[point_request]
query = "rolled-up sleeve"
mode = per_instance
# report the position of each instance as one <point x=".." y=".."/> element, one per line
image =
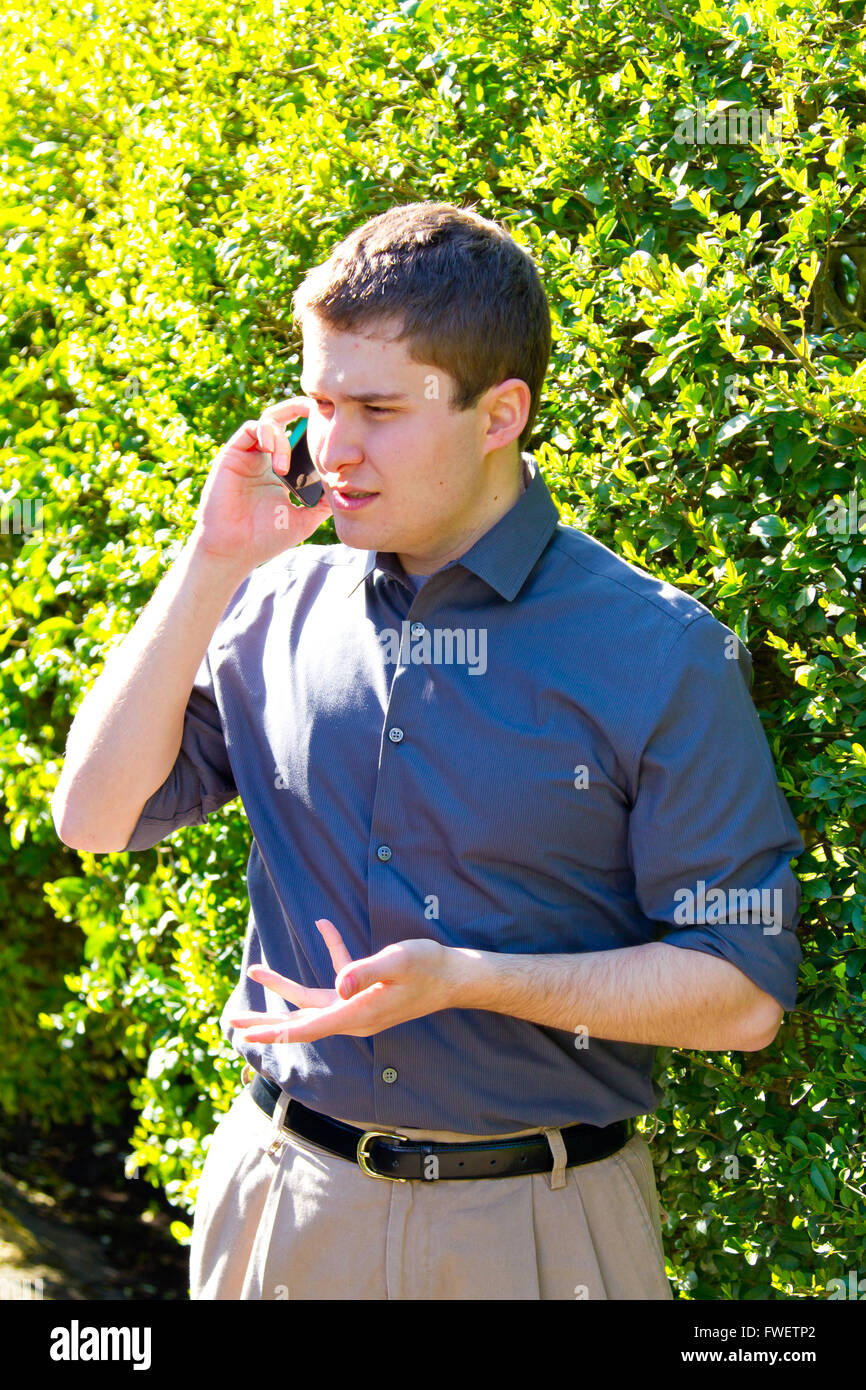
<point x="201" y="780"/>
<point x="710" y="832"/>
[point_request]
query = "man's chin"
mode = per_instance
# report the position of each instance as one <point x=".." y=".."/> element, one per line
<point x="359" y="533"/>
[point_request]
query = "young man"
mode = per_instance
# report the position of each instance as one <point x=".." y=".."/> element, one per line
<point x="515" y="821"/>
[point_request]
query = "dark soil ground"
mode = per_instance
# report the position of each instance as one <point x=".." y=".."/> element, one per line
<point x="72" y="1227"/>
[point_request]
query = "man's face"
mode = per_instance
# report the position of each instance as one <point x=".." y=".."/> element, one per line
<point x="379" y="423"/>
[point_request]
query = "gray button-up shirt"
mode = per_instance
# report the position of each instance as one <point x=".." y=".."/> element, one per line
<point x="543" y="750"/>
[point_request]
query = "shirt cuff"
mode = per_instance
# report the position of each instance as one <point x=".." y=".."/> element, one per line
<point x="768" y="957"/>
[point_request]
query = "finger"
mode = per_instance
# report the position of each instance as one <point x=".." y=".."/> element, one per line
<point x="291" y="409"/>
<point x="282" y="452"/>
<point x="246" y="438"/>
<point x="361" y="1013"/>
<point x="263" y="1028"/>
<point x="361" y="974"/>
<point x="346" y="983"/>
<point x="265" y="436"/>
<point x="258" y="1021"/>
<point x="279" y="984"/>
<point x="305" y="998"/>
<point x="271" y="1033"/>
<point x="262" y="1035"/>
<point x="314" y="516"/>
<point x="336" y="946"/>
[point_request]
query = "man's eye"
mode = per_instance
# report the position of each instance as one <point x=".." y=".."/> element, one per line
<point x="380" y="409"/>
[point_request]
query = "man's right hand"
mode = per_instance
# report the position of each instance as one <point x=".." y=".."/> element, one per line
<point x="246" y="516"/>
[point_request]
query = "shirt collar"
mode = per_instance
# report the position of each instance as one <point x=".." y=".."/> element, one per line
<point x="505" y="554"/>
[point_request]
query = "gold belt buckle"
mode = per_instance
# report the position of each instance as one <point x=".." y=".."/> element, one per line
<point x="363" y="1155"/>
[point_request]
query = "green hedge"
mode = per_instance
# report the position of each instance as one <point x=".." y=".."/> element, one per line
<point x="168" y="174"/>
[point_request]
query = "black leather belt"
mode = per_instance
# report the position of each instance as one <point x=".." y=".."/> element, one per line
<point x="382" y="1155"/>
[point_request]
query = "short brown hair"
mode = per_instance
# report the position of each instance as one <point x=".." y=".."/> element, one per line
<point x="469" y="298"/>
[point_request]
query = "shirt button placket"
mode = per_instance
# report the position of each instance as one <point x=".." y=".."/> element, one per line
<point x="384" y="855"/>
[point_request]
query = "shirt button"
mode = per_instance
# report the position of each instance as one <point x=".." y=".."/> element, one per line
<point x="416" y="630"/>
<point x="383" y="853"/>
<point x="395" y="735"/>
<point x="389" y="1075"/>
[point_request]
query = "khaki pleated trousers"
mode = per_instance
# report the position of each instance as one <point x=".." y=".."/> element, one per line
<point x="279" y="1218"/>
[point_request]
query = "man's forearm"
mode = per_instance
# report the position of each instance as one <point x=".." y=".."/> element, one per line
<point x="657" y="994"/>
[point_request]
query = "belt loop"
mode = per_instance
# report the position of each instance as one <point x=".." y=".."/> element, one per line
<point x="278" y="1134"/>
<point x="557" y="1177"/>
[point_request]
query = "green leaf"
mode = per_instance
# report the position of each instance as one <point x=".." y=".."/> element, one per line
<point x="823" y="1180"/>
<point x="732" y="427"/>
<point x="768" y="526"/>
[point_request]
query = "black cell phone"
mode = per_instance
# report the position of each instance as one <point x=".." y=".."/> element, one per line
<point x="302" y="480"/>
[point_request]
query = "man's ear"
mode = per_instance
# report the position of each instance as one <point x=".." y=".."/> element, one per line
<point x="507" y="410"/>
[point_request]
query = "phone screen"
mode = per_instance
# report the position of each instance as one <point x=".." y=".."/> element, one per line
<point x="302" y="480"/>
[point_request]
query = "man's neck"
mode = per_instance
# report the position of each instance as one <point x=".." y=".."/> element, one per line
<point x="469" y="541"/>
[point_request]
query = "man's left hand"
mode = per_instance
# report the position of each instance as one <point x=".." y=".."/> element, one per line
<point x="407" y="980"/>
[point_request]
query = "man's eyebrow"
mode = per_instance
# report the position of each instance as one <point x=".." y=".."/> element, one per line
<point x="365" y="396"/>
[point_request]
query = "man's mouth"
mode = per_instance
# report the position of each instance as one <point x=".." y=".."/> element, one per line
<point x="351" y="498"/>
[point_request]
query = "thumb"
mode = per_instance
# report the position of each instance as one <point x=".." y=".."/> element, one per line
<point x="314" y="516"/>
<point x="355" y="977"/>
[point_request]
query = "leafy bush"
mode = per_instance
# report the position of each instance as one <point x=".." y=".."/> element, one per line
<point x="168" y="175"/>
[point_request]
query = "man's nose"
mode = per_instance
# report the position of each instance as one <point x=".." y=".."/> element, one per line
<point x="336" y="445"/>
